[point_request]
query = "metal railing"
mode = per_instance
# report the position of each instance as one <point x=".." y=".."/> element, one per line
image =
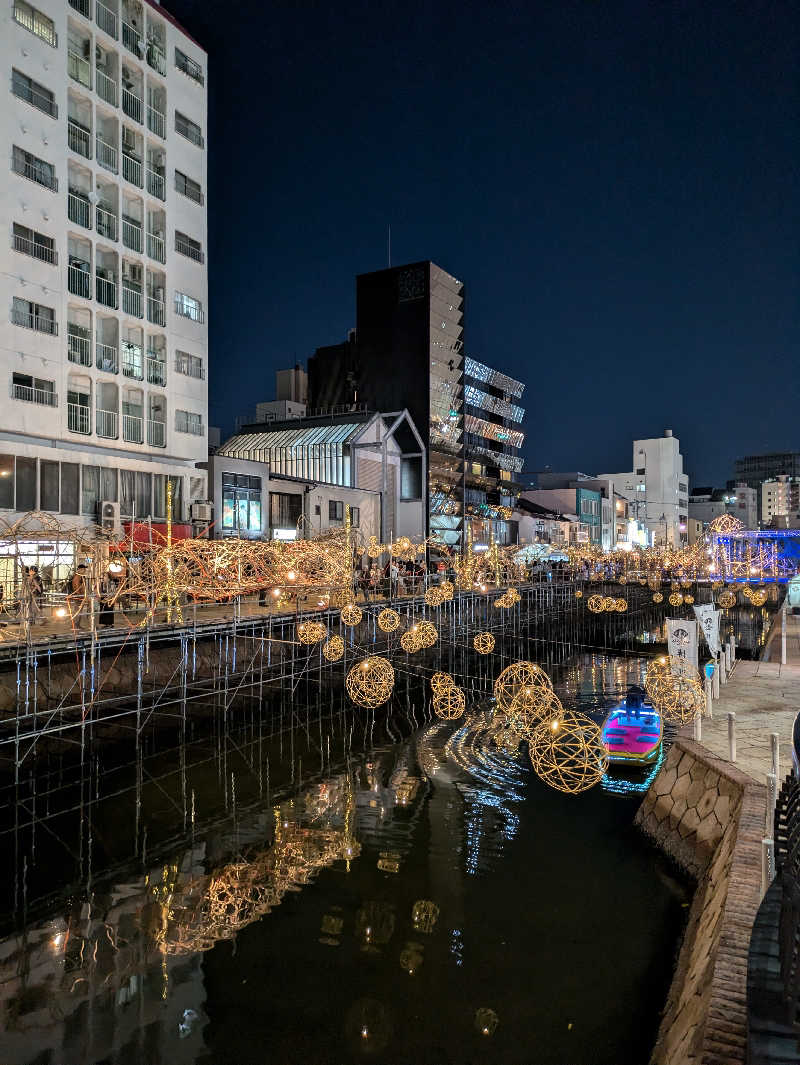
<point x="156" y="311"/>
<point x="156" y="434"/>
<point x="189" y="67"/>
<point x="188" y="130"/>
<point x="38" y="171"/>
<point x="106" y="19"/>
<point x="187" y="249"/>
<point x="107" y="155"/>
<point x="132" y="169"/>
<point x="156" y="248"/>
<point x="79" y="281"/>
<point x="83" y="7"/>
<point x="106" y="424"/>
<point x="29" y="394"/>
<point x="156" y="121"/>
<point x="156" y="57"/>
<point x="190" y="367"/>
<point x="30" y="247"/>
<point x="79" y="139"/>
<point x="40" y="100"/>
<point x="190" y="189"/>
<point x="106" y="291"/>
<point x="106" y="357"/>
<point x="194" y="313"/>
<point x="79" y="69"/>
<point x="132" y="365"/>
<point x="78" y="419"/>
<point x="38" y="322"/>
<point x="79" y="210"/>
<point x="106" y="224"/>
<point x="156" y="184"/>
<point x="38" y="24"/>
<point x="185" y="425"/>
<point x="106" y="87"/>
<point x="131" y="39"/>
<point x="132" y="105"/>
<point x="79" y="347"/>
<point x="132" y="302"/>
<point x="156" y="371"/>
<point x="132" y="234"/>
<point x="132" y="429"/>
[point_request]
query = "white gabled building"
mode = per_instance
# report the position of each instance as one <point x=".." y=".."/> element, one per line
<point x="104" y="283"/>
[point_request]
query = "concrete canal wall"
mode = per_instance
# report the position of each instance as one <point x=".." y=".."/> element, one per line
<point x="709" y="818"/>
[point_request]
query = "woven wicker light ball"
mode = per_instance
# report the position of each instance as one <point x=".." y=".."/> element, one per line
<point x="309" y="632"/>
<point x="517" y="676"/>
<point x="530" y="707"/>
<point x="483" y="643"/>
<point x="370" y="683"/>
<point x="449" y="703"/>
<point x="513" y="596"/>
<point x="658" y="597"/>
<point x="351" y="614"/>
<point x="333" y="648"/>
<point x="503" y="601"/>
<point x="595" y="604"/>
<point x="486" y="1021"/>
<point x="410" y="641"/>
<point x="620" y="605"/>
<point x="688" y="599"/>
<point x="440" y="681"/>
<point x="657" y="678"/>
<point x="726" y="599"/>
<point x="434" y="597"/>
<point x="567" y="753"/>
<point x="388" y="620"/>
<point x="424" y="914"/>
<point x="675" y="599"/>
<point x="578" y="593"/>
<point x="623" y="579"/>
<point x="758" y="596"/>
<point x="680" y="698"/>
<point x="446" y="588"/>
<point x="428" y="633"/>
<point x="609" y="602"/>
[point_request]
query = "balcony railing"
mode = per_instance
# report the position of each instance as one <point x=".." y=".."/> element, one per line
<point x="156" y="57"/>
<point x="107" y="357"/>
<point x="38" y="171"/>
<point x="156" y="248"/>
<point x="132" y="234"/>
<point x="37" y="23"/>
<point x="107" y="291"/>
<point x="188" y="130"/>
<point x="78" y="419"/>
<point x="156" y="121"/>
<point x="106" y="19"/>
<point x="38" y="322"/>
<point x="132" y="364"/>
<point x="132" y="169"/>
<point x="156" y="185"/>
<point x="132" y="105"/>
<point x="79" y="69"/>
<point x="106" y="224"/>
<point x="79" y="282"/>
<point x="189" y="67"/>
<point x="84" y="7"/>
<point x="156" y="434"/>
<point x="79" y="139"/>
<point x="107" y="155"/>
<point x="132" y="427"/>
<point x="182" y="246"/>
<point x="30" y="247"/>
<point x="40" y="100"/>
<point x="156" y="371"/>
<point x="156" y="311"/>
<point x="189" y="367"/>
<point x="79" y="210"/>
<point x="131" y="39"/>
<point x="79" y="347"/>
<point x="188" y="310"/>
<point x="106" y="424"/>
<point x="106" y="87"/>
<point x="34" y="395"/>
<point x="185" y="425"/>
<point x="132" y="302"/>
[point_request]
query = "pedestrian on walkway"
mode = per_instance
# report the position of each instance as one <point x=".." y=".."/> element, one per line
<point x="77" y="599"/>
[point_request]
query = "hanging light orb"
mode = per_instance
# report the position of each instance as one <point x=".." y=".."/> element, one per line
<point x="567" y="753"/>
<point x="483" y="643"/>
<point x="449" y="703"/>
<point x="310" y="632"/>
<point x="620" y="605"/>
<point x="517" y="676"/>
<point x="513" y="596"/>
<point x="609" y="603"/>
<point x="388" y="620"/>
<point x="726" y="599"/>
<point x="623" y="579"/>
<point x="434" y="597"/>
<point x="333" y="648"/>
<point x="446" y="588"/>
<point x="424" y="915"/>
<point x="595" y="604"/>
<point x="370" y="683"/>
<point x="532" y="706"/>
<point x="410" y="641"/>
<point x="658" y="597"/>
<point x="758" y="597"/>
<point x="675" y="599"/>
<point x="680" y="698"/>
<point x="351" y="614"/>
<point x="440" y="681"/>
<point x="578" y="593"/>
<point x="428" y="633"/>
<point x="688" y="599"/>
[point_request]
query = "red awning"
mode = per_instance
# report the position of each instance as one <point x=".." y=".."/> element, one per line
<point x="145" y="534"/>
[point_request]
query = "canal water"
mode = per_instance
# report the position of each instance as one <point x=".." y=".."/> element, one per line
<point x="411" y="892"/>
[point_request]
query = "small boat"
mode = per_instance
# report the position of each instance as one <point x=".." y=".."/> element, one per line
<point x="632" y="733"/>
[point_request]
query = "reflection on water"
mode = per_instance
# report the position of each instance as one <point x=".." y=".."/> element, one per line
<point x="429" y="897"/>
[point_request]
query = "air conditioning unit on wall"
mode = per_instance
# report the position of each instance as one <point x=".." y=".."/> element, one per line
<point x="201" y="511"/>
<point x="110" y="521"/>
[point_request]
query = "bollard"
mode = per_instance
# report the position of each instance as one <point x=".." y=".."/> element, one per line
<point x="698" y="727"/>
<point x="709" y="699"/>
<point x="728" y="656"/>
<point x="767" y="862"/>
<point x="715" y="680"/>
<point x="723" y="675"/>
<point x="776" y="754"/>
<point x="731" y="736"/>
<point x="772" y="796"/>
<point x="783" y="635"/>
<point x="733" y="648"/>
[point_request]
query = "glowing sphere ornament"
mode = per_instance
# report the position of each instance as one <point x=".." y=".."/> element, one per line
<point x="726" y="599"/>
<point x="351" y="614"/>
<point x="428" y="633"/>
<point x="440" y="681"/>
<point x="388" y="620"/>
<point x="609" y="603"/>
<point x="370" y="683"/>
<point x="682" y="699"/>
<point x="620" y="605"/>
<point x="675" y="599"/>
<point x="689" y="599"/>
<point x="449" y="703"/>
<point x="758" y="597"/>
<point x="333" y="648"/>
<point x="446" y="588"/>
<point x="483" y="643"/>
<point x="567" y="753"/>
<point x="424" y="915"/>
<point x="531" y="707"/>
<point x="517" y="677"/>
<point x="434" y="597"/>
<point x="578" y="593"/>
<point x="310" y="632"/>
<point x="595" y="604"/>
<point x="658" y="597"/>
<point x="410" y="641"/>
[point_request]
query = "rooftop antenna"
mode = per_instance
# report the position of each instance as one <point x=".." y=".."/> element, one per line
<point x="390" y="245"/>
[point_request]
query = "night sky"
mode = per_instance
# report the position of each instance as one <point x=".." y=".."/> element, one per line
<point x="616" y="184"/>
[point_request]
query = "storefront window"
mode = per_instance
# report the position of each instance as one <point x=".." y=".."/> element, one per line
<point x="7" y="482"/>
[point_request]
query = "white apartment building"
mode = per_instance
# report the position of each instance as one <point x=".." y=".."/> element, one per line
<point x="103" y="282"/>
<point x="780" y="502"/>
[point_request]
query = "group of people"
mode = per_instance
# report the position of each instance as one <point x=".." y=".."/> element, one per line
<point x="28" y="602"/>
<point x="396" y="578"/>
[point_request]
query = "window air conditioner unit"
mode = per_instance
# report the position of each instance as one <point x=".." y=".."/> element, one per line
<point x="110" y="521"/>
<point x="201" y="511"/>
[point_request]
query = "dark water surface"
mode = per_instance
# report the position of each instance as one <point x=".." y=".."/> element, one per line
<point x="424" y="899"/>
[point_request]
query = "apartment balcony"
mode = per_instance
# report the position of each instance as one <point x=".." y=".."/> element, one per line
<point x="38" y="322"/>
<point x="106" y="19"/>
<point x="131" y="39"/>
<point x="29" y="394"/>
<point x="107" y="291"/>
<point x="35" y="23"/>
<point x="156" y="121"/>
<point x="35" y="98"/>
<point x="156" y="371"/>
<point x="156" y="311"/>
<point x="79" y="139"/>
<point x="106" y="87"/>
<point x="79" y="346"/>
<point x="132" y="427"/>
<point x="156" y="248"/>
<point x="189" y="131"/>
<point x="132" y="302"/>
<point x="189" y="250"/>
<point x="132" y="105"/>
<point x="107" y="357"/>
<point x="78" y="419"/>
<point x="156" y="434"/>
<point x="156" y="58"/>
<point x="132" y="169"/>
<point x="107" y="155"/>
<point x="132" y="236"/>
<point x="132" y="364"/>
<point x="189" y="367"/>
<point x="40" y="173"/>
<point x="106" y="424"/>
<point x="30" y="247"/>
<point x="79" y="210"/>
<point x="193" y="428"/>
<point x="79" y="69"/>
<point x="83" y="7"/>
<point x="156" y="184"/>
<point x="189" y="67"/>
<point x="79" y="282"/>
<point x="106" y="224"/>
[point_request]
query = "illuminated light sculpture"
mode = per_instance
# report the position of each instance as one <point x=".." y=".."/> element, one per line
<point x="657" y="677"/>
<point x="410" y="641"/>
<point x="609" y="603"/>
<point x="758" y="596"/>
<point x="424" y="915"/>
<point x="486" y="1021"/>
<point x="370" y="683"/>
<point x="434" y="597"/>
<point x="530" y="707"/>
<point x="428" y="633"/>
<point x="449" y="703"/>
<point x="351" y="614"/>
<point x="726" y="599"/>
<point x="440" y="681"/>
<point x="680" y="698"/>
<point x="620" y="605"/>
<point x="623" y="580"/>
<point x="411" y="957"/>
<point x="517" y="676"/>
<point x="388" y="620"/>
<point x="675" y="599"/>
<point x="568" y="753"/>
<point x="447" y="590"/>
<point x="513" y="596"/>
<point x="483" y="643"/>
<point x="310" y="632"/>
<point x="595" y="604"/>
<point x="658" y="597"/>
<point x="333" y="648"/>
<point x="689" y="599"/>
<point x="724" y="525"/>
<point x="578" y="593"/>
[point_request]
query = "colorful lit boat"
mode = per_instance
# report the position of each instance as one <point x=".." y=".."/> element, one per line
<point x="633" y="732"/>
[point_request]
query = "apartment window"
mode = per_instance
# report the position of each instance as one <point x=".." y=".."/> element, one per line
<point x="6" y="482"/>
<point x="188" y="422"/>
<point x="36" y="22"/>
<point x="241" y="502"/>
<point x="26" y="484"/>
<point x="90" y="490"/>
<point x="48" y="486"/>
<point x="335" y="510"/>
<point x="640" y="473"/>
<point x="34" y="316"/>
<point x="33" y="93"/>
<point x="355" y="517"/>
<point x="188" y="129"/>
<point x="188" y="66"/>
<point x="37" y="245"/>
<point x="189" y="247"/>
<point x="187" y="187"/>
<point x="285" y="509"/>
<point x="33" y="168"/>
<point x="33" y="389"/>
<point x="505" y="475"/>
<point x="70" y="487"/>
<point x="189" y="365"/>
<point x="188" y="307"/>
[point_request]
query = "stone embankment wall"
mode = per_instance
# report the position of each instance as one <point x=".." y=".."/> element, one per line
<point x="709" y="818"/>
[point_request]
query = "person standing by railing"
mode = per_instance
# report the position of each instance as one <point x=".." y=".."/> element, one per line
<point x="77" y="599"/>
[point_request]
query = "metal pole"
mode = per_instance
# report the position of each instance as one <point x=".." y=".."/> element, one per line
<point x="723" y="673"/>
<point x="709" y="699"/>
<point x="733" y="648"/>
<point x="776" y="757"/>
<point x="728" y="656"/>
<point x="731" y="736"/>
<point x="783" y="635"/>
<point x="767" y="862"/>
<point x="715" y="680"/>
<point x="698" y="727"/>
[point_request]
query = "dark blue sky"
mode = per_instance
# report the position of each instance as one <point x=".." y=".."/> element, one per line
<point x="616" y="184"/>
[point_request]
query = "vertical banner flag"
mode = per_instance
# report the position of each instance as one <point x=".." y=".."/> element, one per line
<point x="708" y="619"/>
<point x="682" y="645"/>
